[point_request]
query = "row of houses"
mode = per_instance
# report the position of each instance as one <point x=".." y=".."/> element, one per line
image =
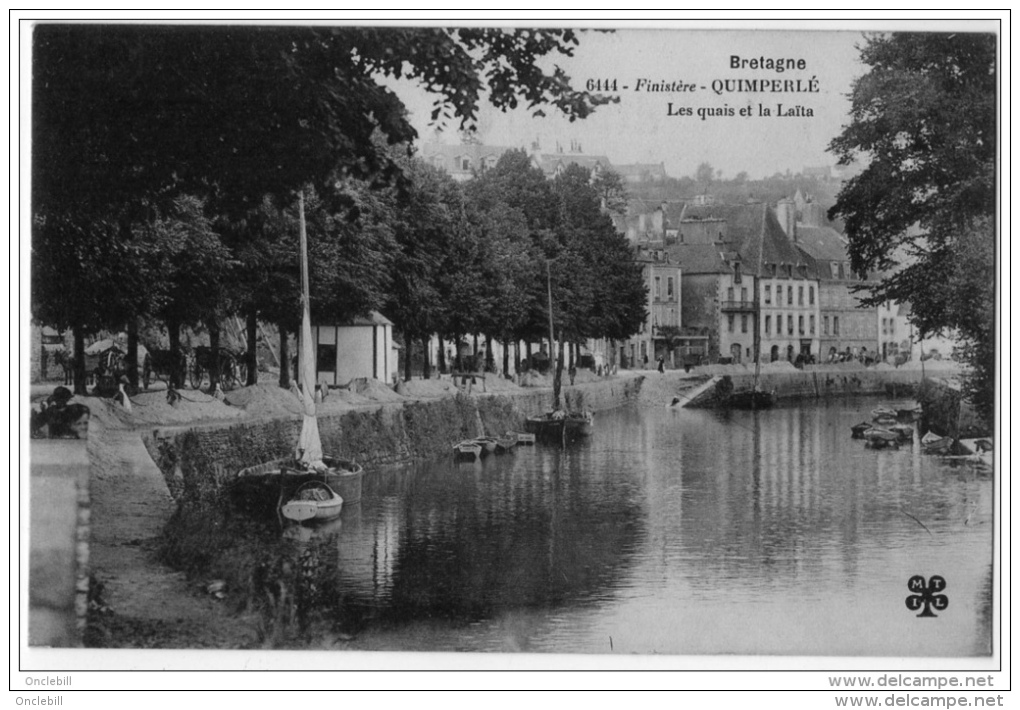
<point x="729" y="283"/>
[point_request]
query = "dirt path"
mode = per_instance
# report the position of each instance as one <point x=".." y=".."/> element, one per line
<point x="144" y="603"/>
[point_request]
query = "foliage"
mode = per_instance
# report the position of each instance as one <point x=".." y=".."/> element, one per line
<point x="923" y="120"/>
<point x="128" y="118"/>
<point x="608" y="185"/>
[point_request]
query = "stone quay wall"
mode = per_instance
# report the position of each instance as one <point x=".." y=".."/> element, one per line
<point x="199" y="460"/>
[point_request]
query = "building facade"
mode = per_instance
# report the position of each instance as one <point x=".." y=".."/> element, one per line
<point x="662" y="326"/>
<point x="847" y="328"/>
<point x="746" y="286"/>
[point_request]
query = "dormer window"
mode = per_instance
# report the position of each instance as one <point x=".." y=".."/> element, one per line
<point x="465" y="164"/>
<point x="736" y="273"/>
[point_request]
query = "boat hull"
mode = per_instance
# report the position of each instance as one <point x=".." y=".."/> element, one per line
<point x="549" y="429"/>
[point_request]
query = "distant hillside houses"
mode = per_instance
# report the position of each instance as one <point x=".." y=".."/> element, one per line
<point x="464" y="161"/>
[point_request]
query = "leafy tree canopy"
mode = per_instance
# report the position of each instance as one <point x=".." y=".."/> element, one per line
<point x="923" y="121"/>
<point x="233" y="113"/>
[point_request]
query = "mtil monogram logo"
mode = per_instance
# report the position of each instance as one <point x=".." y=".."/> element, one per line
<point x="927" y="595"/>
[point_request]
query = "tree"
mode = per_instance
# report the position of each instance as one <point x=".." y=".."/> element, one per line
<point x="128" y="118"/>
<point x="611" y="191"/>
<point x="704" y="174"/>
<point x="923" y="120"/>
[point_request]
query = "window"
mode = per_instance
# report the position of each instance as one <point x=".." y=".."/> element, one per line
<point x="883" y="326"/>
<point x="789" y="295"/>
<point x="811" y="295"/>
<point x="779" y="324"/>
<point x="743" y="323"/>
<point x="768" y="294"/>
<point x="800" y="325"/>
<point x="779" y="294"/>
<point x="730" y="319"/>
<point x="825" y="325"/>
<point x="834" y="268"/>
<point x="768" y="325"/>
<point x="729" y="294"/>
<point x="800" y="295"/>
<point x="736" y="273"/>
<point x="812" y="325"/>
<point x="892" y="326"/>
<point x="669" y="288"/>
<point x="658" y="288"/>
<point x="789" y="324"/>
<point x="743" y="293"/>
<point x="835" y="325"/>
<point x="842" y="273"/>
<point x="465" y="163"/>
<point x="325" y="357"/>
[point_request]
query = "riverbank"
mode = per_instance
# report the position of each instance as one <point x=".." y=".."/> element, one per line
<point x="146" y="462"/>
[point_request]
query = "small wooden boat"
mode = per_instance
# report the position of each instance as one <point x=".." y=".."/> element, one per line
<point x="882" y="412"/>
<point x="488" y="444"/>
<point x="751" y="399"/>
<point x="312" y="501"/>
<point x="881" y="438"/>
<point x="262" y="487"/>
<point x="554" y="426"/>
<point x="905" y="431"/>
<point x="932" y="443"/>
<point x="857" y="430"/>
<point x="908" y="415"/>
<point x="468" y="449"/>
<point x="506" y="444"/>
<point x="523" y="439"/>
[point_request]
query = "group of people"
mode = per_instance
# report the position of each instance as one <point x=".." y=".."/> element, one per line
<point x="59" y="418"/>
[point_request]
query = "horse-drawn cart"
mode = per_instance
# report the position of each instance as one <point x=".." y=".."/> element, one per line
<point x="161" y="364"/>
<point x="231" y="366"/>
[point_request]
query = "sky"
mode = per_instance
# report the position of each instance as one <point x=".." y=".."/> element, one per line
<point x="644" y="126"/>
<point x="649" y="126"/>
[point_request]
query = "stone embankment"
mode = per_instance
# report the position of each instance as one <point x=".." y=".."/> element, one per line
<point x="140" y="469"/>
<point x="199" y="459"/>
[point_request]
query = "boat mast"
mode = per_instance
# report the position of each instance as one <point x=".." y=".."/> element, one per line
<point x="552" y="339"/>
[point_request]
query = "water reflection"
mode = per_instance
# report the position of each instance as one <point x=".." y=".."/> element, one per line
<point x="673" y="532"/>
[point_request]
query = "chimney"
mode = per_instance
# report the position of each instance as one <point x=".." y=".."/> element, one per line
<point x="786" y="213"/>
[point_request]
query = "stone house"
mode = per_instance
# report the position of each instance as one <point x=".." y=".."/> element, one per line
<point x="742" y="276"/>
<point x="845" y="323"/>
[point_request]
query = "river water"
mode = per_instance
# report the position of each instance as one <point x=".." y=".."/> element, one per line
<point x="673" y="532"/>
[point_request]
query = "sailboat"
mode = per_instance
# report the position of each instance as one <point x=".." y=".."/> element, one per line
<point x="308" y="481"/>
<point x="558" y="425"/>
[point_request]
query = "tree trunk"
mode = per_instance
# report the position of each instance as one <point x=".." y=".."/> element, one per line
<point x="408" y="346"/>
<point x="284" y="357"/>
<point x="132" y="354"/>
<point x="252" y="354"/>
<point x="442" y="356"/>
<point x="458" y="364"/>
<point x="173" y="329"/>
<point x="527" y="354"/>
<point x="214" y="353"/>
<point x="426" y="366"/>
<point x="506" y="357"/>
<point x="517" y="356"/>
<point x="79" y="360"/>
